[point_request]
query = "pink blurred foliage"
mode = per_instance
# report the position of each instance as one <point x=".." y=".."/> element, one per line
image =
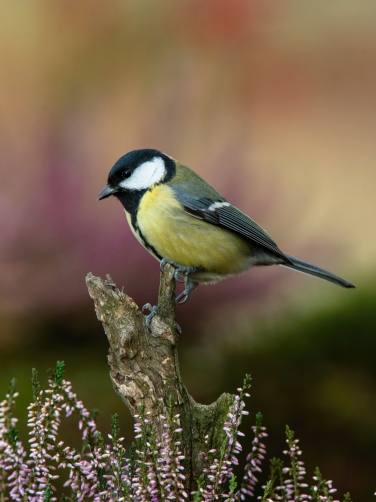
<point x="223" y="22"/>
<point x="52" y="236"/>
<point x="96" y="80"/>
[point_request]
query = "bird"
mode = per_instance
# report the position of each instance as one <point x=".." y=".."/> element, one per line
<point x="182" y="220"/>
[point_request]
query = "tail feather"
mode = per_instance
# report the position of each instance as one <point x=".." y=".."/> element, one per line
<point x="307" y="268"/>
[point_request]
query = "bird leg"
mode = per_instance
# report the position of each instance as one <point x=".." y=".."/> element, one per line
<point x="180" y="270"/>
<point x="184" y="272"/>
<point x="189" y="286"/>
<point x="153" y="312"/>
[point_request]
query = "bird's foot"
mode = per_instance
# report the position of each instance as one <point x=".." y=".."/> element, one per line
<point x="153" y="312"/>
<point x="189" y="287"/>
<point x="184" y="272"/>
<point x="180" y="270"/>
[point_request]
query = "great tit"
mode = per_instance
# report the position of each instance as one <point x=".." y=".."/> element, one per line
<point x="181" y="219"/>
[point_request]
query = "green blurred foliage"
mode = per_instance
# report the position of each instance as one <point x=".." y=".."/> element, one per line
<point x="316" y="373"/>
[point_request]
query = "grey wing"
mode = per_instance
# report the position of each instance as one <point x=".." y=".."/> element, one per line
<point x="226" y="215"/>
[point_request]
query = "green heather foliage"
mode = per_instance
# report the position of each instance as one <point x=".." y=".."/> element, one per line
<point x="151" y="471"/>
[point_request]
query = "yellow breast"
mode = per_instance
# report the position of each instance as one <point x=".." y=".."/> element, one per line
<point x="189" y="241"/>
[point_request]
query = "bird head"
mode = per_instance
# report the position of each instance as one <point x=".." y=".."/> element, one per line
<point x="137" y="171"/>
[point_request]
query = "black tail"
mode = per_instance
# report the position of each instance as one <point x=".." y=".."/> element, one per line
<point x="307" y="268"/>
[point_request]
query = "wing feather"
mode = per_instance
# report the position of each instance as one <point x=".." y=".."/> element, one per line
<point x="224" y="214"/>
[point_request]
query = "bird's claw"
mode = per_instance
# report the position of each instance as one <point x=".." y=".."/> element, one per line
<point x="179" y="269"/>
<point x="182" y="298"/>
<point x="184" y="272"/>
<point x="153" y="312"/>
<point x="163" y="263"/>
<point x="189" y="287"/>
<point x="147" y="306"/>
<point x="176" y="276"/>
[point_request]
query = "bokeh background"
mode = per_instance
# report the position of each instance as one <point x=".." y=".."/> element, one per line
<point x="274" y="103"/>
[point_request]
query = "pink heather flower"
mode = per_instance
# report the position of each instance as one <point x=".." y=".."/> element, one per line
<point x="153" y="472"/>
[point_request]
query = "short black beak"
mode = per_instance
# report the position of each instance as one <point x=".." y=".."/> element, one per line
<point x="106" y="192"/>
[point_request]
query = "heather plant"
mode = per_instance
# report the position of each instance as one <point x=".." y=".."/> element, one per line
<point x="152" y="470"/>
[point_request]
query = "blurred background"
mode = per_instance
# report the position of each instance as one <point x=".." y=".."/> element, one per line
<point x="273" y="102"/>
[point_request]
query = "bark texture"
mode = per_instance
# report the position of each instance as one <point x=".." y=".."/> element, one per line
<point x="145" y="368"/>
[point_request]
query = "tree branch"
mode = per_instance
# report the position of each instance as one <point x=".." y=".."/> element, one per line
<point x="145" y="368"/>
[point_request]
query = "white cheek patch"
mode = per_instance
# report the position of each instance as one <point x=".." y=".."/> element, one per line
<point x="217" y="205"/>
<point x="145" y="175"/>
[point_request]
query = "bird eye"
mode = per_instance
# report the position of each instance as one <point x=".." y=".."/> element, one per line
<point x="126" y="173"/>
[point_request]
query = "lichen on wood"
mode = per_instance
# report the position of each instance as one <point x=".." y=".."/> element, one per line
<point x="144" y="368"/>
